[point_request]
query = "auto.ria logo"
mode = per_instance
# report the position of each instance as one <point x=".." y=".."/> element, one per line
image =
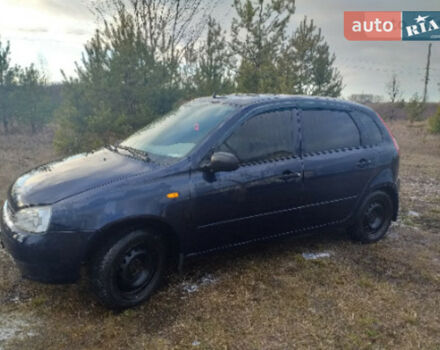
<point x="392" y="25"/>
<point x="421" y="25"/>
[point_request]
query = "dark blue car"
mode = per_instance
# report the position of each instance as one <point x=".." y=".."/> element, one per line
<point x="216" y="173"/>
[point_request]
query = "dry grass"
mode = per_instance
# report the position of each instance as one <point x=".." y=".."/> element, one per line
<point x="388" y="110"/>
<point x="385" y="295"/>
<point x="21" y="152"/>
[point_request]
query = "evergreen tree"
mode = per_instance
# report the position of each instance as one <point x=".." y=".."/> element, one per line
<point x="120" y="88"/>
<point x="306" y="65"/>
<point x="215" y="64"/>
<point x="8" y="83"/>
<point x="257" y="36"/>
<point x="34" y="108"/>
<point x="415" y="108"/>
<point x="434" y="123"/>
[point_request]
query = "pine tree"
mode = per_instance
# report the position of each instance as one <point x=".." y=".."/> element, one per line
<point x="434" y="123"/>
<point x="120" y="88"/>
<point x="34" y="107"/>
<point x="213" y="74"/>
<point x="8" y="83"/>
<point x="306" y="64"/>
<point x="257" y="36"/>
<point x="415" y="108"/>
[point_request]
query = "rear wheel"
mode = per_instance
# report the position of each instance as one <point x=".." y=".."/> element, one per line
<point x="125" y="272"/>
<point x="374" y="218"/>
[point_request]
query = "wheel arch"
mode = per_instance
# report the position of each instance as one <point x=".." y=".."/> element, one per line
<point x="113" y="231"/>
<point x="386" y="181"/>
<point x="391" y="191"/>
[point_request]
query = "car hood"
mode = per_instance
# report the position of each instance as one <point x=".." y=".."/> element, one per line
<point x="62" y="179"/>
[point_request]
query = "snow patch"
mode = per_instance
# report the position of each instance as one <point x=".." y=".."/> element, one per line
<point x="189" y="287"/>
<point x="413" y="214"/>
<point x="13" y="327"/>
<point x="315" y="256"/>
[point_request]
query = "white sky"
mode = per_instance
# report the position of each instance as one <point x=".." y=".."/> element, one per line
<point x="55" y="31"/>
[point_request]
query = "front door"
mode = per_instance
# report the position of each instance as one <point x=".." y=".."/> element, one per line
<point x="259" y="198"/>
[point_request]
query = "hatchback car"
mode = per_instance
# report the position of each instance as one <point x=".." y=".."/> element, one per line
<point x="215" y="173"/>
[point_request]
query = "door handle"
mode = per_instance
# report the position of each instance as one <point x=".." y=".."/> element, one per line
<point x="290" y="175"/>
<point x="363" y="163"/>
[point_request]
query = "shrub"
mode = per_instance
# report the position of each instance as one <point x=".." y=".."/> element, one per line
<point x="434" y="123"/>
<point x="415" y="108"/>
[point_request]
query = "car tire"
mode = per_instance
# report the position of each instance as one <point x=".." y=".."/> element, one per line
<point x="126" y="271"/>
<point x="374" y="218"/>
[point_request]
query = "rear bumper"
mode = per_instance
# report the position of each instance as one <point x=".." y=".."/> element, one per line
<point x="55" y="257"/>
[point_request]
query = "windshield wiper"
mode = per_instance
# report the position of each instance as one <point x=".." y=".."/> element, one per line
<point x="136" y="153"/>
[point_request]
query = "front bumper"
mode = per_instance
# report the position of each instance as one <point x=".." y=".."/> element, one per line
<point x="54" y="257"/>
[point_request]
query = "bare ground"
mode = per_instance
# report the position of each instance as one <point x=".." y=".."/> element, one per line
<point x="385" y="295"/>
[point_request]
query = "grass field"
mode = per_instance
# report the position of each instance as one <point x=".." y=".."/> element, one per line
<point x="267" y="296"/>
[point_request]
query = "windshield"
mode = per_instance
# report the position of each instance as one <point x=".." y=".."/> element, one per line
<point x="178" y="132"/>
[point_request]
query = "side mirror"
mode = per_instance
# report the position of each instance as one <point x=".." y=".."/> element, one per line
<point x="223" y="161"/>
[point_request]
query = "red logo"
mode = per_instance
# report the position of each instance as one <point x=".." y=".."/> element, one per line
<point x="372" y="26"/>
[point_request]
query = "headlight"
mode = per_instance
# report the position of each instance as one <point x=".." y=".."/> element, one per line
<point x="31" y="220"/>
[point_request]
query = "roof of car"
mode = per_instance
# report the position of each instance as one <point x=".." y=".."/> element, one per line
<point x="244" y="100"/>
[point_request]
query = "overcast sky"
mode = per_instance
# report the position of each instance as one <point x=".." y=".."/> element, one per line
<point x="53" y="33"/>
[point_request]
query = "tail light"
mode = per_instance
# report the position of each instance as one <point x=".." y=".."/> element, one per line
<point x="396" y="145"/>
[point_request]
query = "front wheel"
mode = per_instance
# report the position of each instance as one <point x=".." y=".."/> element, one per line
<point x="374" y="218"/>
<point x="125" y="272"/>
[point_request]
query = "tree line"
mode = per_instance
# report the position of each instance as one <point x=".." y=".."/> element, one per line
<point x="416" y="106"/>
<point x="150" y="55"/>
<point x="26" y="99"/>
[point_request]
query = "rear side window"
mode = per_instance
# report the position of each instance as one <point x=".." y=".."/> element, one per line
<point x="370" y="132"/>
<point x="265" y="136"/>
<point x="325" y="130"/>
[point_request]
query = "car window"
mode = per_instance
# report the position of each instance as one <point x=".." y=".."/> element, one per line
<point x="177" y="133"/>
<point x="370" y="132"/>
<point x="325" y="130"/>
<point x="265" y="136"/>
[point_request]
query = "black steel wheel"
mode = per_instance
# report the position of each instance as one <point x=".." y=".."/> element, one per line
<point x="374" y="218"/>
<point x="126" y="271"/>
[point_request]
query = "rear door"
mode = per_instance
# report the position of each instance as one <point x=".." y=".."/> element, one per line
<point x="257" y="199"/>
<point x="337" y="167"/>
